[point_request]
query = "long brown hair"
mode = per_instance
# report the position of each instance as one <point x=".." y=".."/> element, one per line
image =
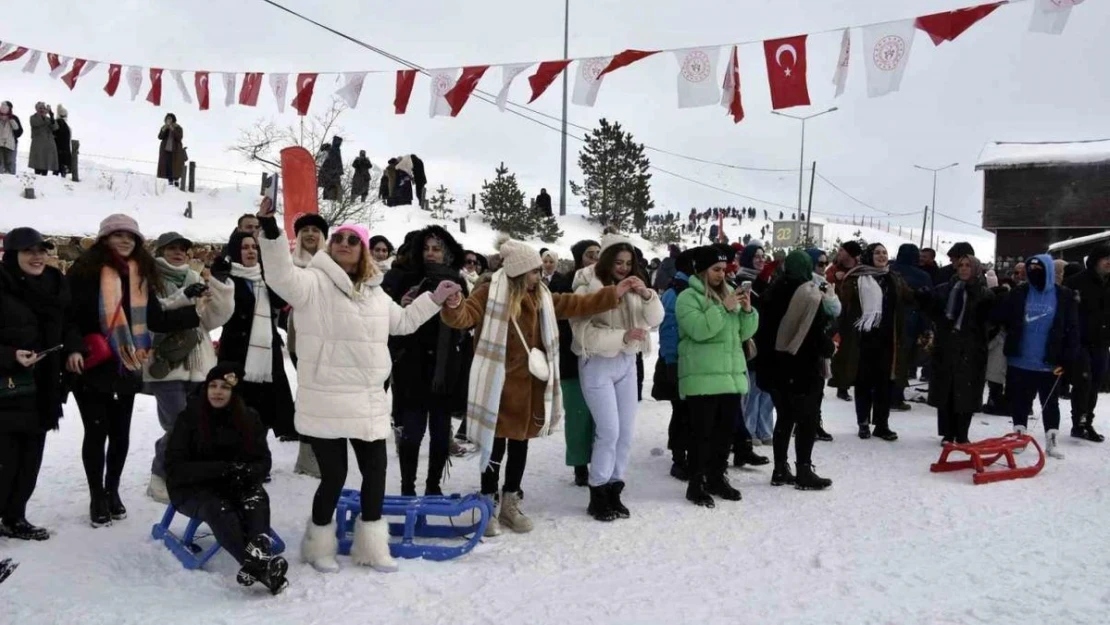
<point x="239" y="420"/>
<point x="100" y="254"/>
<point x="604" y="267"/>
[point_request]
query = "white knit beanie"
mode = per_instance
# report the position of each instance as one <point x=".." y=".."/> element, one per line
<point x="518" y="258"/>
<point x="610" y="239"/>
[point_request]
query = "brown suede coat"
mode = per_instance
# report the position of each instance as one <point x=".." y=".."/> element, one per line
<point x="521" y="415"/>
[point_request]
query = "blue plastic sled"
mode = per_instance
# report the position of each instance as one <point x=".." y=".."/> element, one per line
<point x="191" y="555"/>
<point x="416" y="511"/>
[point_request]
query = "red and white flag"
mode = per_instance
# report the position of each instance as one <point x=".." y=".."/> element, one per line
<point x="5" y="48"/>
<point x="279" y="84"/>
<point x="115" y="71"/>
<point x="250" y="90"/>
<point x="948" y="25"/>
<point x="32" y="62"/>
<point x="508" y="75"/>
<point x="588" y="79"/>
<point x="351" y="91"/>
<point x="406" y="79"/>
<point x="57" y="64"/>
<point x="545" y="74"/>
<point x="154" y="96"/>
<point x="134" y="80"/>
<point x="200" y="83"/>
<point x="1051" y="16"/>
<point x="730" y="99"/>
<point x="306" y="84"/>
<point x="229" y="89"/>
<point x="624" y="59"/>
<point x="443" y="80"/>
<point x="697" y="77"/>
<point x="466" y="84"/>
<point x="840" y="78"/>
<point x="786" y="71"/>
<point x="11" y="55"/>
<point x="886" y="52"/>
<point x="80" y="68"/>
<point x="179" y="78"/>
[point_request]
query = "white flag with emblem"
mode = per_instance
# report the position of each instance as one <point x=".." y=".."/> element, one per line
<point x="279" y="84"/>
<point x="886" y="52"/>
<point x="1051" y="16"/>
<point x="508" y="75"/>
<point x="351" y="91"/>
<point x="179" y="78"/>
<point x="32" y="62"/>
<point x="442" y="82"/>
<point x="840" y="78"/>
<point x="134" y="80"/>
<point x="229" y="89"/>
<point x="697" y="77"/>
<point x="587" y="81"/>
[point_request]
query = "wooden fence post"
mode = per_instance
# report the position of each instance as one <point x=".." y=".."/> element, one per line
<point x="192" y="176"/>
<point x="74" y="150"/>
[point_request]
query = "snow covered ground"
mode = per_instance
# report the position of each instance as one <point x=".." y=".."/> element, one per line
<point x="889" y="543"/>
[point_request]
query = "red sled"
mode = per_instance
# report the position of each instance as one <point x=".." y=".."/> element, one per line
<point x="984" y="453"/>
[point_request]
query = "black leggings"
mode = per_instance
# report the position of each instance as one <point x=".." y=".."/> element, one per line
<point x="798" y="413"/>
<point x="414" y="423"/>
<point x="712" y="419"/>
<point x="20" y="461"/>
<point x="235" y="520"/>
<point x="331" y="455"/>
<point x="107" y="419"/>
<point x="514" y="471"/>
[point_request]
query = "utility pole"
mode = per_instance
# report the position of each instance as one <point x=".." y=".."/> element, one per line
<point x="563" y="149"/>
<point x="802" y="151"/>
<point x="924" y="222"/>
<point x="809" y="210"/>
<point x="933" y="223"/>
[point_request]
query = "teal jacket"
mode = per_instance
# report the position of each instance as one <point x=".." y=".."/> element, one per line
<point x="711" y="357"/>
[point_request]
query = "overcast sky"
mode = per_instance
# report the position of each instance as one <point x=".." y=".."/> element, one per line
<point x="996" y="82"/>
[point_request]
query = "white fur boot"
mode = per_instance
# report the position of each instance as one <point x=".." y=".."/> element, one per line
<point x="371" y="546"/>
<point x="1051" y="449"/>
<point x="320" y="546"/>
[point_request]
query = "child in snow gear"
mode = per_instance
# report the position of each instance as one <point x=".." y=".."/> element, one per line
<point x="115" y="307"/>
<point x="713" y="323"/>
<point x="607" y="344"/>
<point x="344" y="320"/>
<point x="508" y="403"/>
<point x="216" y="460"/>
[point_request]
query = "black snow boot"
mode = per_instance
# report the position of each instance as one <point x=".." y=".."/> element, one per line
<point x="7" y="567"/>
<point x="261" y="565"/>
<point x="886" y="434"/>
<point x="615" y="490"/>
<point x="782" y="475"/>
<point x="98" y="511"/>
<point x="744" y="454"/>
<point x="582" y="476"/>
<point x="718" y="485"/>
<point x="115" y="506"/>
<point x="864" y="431"/>
<point x="679" y="471"/>
<point x="696" y="492"/>
<point x="1084" y="428"/>
<point x="20" y="529"/>
<point x="808" y="480"/>
<point x="600" y="507"/>
<point x="842" y="394"/>
<point x="822" y="435"/>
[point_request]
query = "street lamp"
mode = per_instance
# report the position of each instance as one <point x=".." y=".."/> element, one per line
<point x="802" y="152"/>
<point x="563" y="146"/>
<point x="933" y="221"/>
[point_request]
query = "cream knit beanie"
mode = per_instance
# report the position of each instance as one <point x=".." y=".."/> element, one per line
<point x="518" y="258"/>
<point x="608" y="240"/>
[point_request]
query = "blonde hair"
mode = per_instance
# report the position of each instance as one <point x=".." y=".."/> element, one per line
<point x="713" y="294"/>
<point x="367" y="269"/>
<point x="518" y="290"/>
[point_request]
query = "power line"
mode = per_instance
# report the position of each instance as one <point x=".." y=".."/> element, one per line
<point x="966" y="223"/>
<point x="861" y="202"/>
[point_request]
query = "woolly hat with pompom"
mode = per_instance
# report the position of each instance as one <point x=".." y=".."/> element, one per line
<point x="517" y="257"/>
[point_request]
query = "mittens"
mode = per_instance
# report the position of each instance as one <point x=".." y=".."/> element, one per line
<point x="444" y="290"/>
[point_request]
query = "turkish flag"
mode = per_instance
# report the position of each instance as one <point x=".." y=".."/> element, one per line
<point x="14" y="54"/>
<point x="70" y="77"/>
<point x="252" y="86"/>
<point x="305" y="85"/>
<point x="200" y="81"/>
<point x="406" y="79"/>
<point x="53" y="60"/>
<point x="951" y="24"/>
<point x="464" y="86"/>
<point x="626" y="58"/>
<point x="786" y="71"/>
<point x="115" y="70"/>
<point x="154" y="96"/>
<point x="545" y="74"/>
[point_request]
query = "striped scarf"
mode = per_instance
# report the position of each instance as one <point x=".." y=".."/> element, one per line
<point x="487" y="372"/>
<point x="259" y="366"/>
<point x="130" y="341"/>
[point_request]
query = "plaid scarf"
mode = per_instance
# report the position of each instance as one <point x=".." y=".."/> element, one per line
<point x="130" y="341"/>
<point x="487" y="372"/>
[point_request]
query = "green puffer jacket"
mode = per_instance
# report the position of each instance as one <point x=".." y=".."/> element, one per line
<point x="711" y="344"/>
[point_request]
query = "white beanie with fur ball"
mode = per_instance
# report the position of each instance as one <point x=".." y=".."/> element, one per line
<point x="610" y="239"/>
<point x="517" y="258"/>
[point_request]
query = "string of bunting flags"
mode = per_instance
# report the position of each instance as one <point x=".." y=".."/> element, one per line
<point x="885" y="55"/>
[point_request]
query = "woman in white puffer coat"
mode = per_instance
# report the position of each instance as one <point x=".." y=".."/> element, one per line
<point x="344" y="320"/>
<point x="171" y="382"/>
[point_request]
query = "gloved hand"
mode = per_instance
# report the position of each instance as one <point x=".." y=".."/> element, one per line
<point x="194" y="291"/>
<point x="221" y="269"/>
<point x="768" y="271"/>
<point x="445" y="289"/>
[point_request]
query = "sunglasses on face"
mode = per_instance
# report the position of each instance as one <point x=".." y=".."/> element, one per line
<point x="349" y="239"/>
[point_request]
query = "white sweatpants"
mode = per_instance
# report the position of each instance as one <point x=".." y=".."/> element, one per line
<point x="609" y="387"/>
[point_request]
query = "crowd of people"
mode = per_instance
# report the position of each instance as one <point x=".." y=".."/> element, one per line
<point x="50" y="140"/>
<point x="401" y="340"/>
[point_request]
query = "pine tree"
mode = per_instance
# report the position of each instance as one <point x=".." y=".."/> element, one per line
<point x="548" y="229"/>
<point x="440" y="204"/>
<point x="503" y="205"/>
<point x="617" y="187"/>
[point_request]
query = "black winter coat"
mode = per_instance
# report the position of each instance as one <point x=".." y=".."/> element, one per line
<point x="62" y="138"/>
<point x="203" y="462"/>
<point x="803" y="372"/>
<point x="959" y="356"/>
<point x="84" y="316"/>
<point x="32" y="317"/>
<point x="568" y="360"/>
<point x="1094" y="308"/>
<point x="1063" y="339"/>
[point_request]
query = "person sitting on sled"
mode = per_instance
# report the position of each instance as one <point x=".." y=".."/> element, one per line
<point x="216" y="461"/>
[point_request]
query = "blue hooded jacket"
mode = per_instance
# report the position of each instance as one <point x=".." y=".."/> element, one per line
<point x="668" y="332"/>
<point x="1040" y="312"/>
